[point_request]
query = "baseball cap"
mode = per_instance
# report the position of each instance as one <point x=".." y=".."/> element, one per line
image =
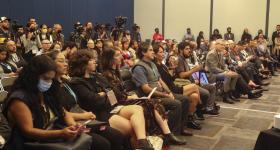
<point x="3" y="18"/>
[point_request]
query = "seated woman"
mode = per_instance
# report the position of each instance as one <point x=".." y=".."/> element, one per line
<point x="6" y="68"/>
<point x="107" y="138"/>
<point x="33" y="103"/>
<point x="189" y="90"/>
<point x="92" y="97"/>
<point x="111" y="66"/>
<point x="127" y="54"/>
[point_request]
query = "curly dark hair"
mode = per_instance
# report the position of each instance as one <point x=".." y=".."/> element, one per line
<point x="143" y="48"/>
<point x="28" y="79"/>
<point x="78" y="63"/>
<point x="29" y="76"/>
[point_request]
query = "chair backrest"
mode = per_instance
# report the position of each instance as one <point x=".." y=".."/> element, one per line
<point x="126" y="76"/>
<point x="3" y="95"/>
<point x="7" y="82"/>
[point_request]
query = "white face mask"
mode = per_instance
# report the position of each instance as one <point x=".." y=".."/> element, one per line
<point x="44" y="86"/>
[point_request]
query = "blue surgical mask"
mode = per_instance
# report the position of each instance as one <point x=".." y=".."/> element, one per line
<point x="44" y="86"/>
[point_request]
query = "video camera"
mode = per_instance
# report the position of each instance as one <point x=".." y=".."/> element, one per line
<point x="120" y="21"/>
<point x="78" y="28"/>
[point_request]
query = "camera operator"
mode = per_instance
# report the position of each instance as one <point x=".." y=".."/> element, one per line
<point x="89" y="34"/>
<point x="19" y="32"/>
<point x="29" y="41"/>
<point x="78" y="35"/>
<point x="102" y="33"/>
<point x="4" y="29"/>
<point x="118" y="30"/>
<point x="135" y="34"/>
<point x="57" y="35"/>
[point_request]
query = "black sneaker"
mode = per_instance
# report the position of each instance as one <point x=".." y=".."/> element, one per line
<point x="199" y="116"/>
<point x="212" y="112"/>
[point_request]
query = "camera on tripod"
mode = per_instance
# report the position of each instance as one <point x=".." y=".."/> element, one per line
<point x="120" y="21"/>
<point x="78" y="28"/>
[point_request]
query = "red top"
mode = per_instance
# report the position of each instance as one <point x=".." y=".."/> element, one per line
<point x="158" y="37"/>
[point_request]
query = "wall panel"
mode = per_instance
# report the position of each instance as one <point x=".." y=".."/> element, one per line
<point x="181" y="14"/>
<point x="239" y="14"/>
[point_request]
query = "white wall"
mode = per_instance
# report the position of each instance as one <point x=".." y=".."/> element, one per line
<point x="274" y="17"/>
<point x="181" y="14"/>
<point x="239" y="14"/>
<point x="148" y="15"/>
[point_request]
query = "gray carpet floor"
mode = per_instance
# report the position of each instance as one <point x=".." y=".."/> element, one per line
<point x="238" y="125"/>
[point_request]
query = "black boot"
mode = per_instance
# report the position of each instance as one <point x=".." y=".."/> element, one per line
<point x="171" y="139"/>
<point x="226" y="98"/>
<point x="192" y="124"/>
<point x="199" y="112"/>
<point x="232" y="97"/>
<point x="144" y="144"/>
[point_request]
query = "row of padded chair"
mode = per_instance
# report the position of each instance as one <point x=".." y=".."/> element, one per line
<point x="5" y="84"/>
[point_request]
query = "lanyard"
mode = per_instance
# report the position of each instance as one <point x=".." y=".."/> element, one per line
<point x="71" y="92"/>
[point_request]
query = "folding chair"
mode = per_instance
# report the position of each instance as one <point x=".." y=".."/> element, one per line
<point x="7" y="82"/>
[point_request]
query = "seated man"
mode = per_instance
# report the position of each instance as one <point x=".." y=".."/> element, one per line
<point x="183" y="71"/>
<point x="146" y="77"/>
<point x="14" y="56"/>
<point x="216" y="66"/>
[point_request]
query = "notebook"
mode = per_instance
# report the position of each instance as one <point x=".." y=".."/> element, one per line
<point x="149" y="96"/>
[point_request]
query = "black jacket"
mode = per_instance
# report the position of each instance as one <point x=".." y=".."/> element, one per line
<point x="87" y="90"/>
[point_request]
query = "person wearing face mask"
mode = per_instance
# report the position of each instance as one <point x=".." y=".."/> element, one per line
<point x="229" y="35"/>
<point x="44" y="35"/>
<point x="32" y="104"/>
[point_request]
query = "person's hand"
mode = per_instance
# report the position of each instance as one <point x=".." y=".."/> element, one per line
<point x="69" y="132"/>
<point x="89" y="115"/>
<point x="131" y="97"/>
<point x="197" y="68"/>
<point x="102" y="94"/>
<point x="196" y="82"/>
<point x="12" y="74"/>
<point x="170" y="95"/>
